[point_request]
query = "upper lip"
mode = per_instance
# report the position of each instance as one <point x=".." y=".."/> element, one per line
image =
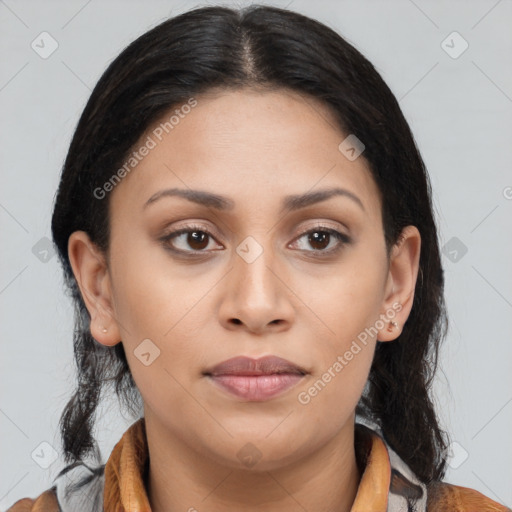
<point x="267" y="365"/>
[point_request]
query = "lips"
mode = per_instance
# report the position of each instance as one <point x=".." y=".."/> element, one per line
<point x="268" y="365"/>
<point x="255" y="379"/>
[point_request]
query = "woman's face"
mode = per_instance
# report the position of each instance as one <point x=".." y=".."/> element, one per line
<point x="248" y="279"/>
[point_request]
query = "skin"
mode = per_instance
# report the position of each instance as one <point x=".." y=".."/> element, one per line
<point x="255" y="148"/>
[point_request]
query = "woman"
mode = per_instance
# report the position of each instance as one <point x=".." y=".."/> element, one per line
<point x="246" y="228"/>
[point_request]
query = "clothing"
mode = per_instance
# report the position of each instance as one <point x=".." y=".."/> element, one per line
<point x="387" y="483"/>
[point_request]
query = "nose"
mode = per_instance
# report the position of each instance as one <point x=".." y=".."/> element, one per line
<point x="256" y="297"/>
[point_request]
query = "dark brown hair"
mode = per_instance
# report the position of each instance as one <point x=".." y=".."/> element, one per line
<point x="259" y="47"/>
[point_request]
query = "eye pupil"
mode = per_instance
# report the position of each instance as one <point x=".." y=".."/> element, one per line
<point x="197" y="237"/>
<point x="319" y="237"/>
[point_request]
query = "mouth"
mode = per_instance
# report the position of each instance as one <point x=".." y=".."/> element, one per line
<point x="248" y="366"/>
<point x="255" y="379"/>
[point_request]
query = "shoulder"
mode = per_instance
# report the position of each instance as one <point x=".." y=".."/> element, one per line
<point x="45" y="502"/>
<point x="444" y="496"/>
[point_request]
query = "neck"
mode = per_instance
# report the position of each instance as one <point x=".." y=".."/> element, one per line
<point x="181" y="479"/>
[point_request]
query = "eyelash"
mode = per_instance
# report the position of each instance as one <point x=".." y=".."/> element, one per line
<point x="340" y="237"/>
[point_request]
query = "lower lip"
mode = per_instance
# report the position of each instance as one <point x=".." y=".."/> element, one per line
<point x="256" y="387"/>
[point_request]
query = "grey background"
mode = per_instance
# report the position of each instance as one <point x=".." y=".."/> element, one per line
<point x="459" y="110"/>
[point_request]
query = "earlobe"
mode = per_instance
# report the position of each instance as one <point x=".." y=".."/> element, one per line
<point x="91" y="273"/>
<point x="401" y="283"/>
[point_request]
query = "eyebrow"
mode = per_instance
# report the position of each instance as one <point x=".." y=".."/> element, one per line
<point x="290" y="202"/>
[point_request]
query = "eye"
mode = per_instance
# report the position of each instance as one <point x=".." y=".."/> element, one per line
<point x="320" y="239"/>
<point x="194" y="239"/>
<point x="190" y="237"/>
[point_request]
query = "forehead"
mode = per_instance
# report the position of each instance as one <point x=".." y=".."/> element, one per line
<point x="252" y="145"/>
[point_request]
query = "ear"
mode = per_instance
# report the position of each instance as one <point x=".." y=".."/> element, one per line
<point x="401" y="282"/>
<point x="91" y="273"/>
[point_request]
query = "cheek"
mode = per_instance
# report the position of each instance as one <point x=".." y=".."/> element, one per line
<point x="348" y="304"/>
<point x="150" y="294"/>
<point x="152" y="311"/>
<point x="159" y="339"/>
<point x="149" y="309"/>
<point x="349" y="309"/>
<point x="350" y="299"/>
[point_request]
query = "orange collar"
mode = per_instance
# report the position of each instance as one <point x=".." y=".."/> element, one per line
<point x="126" y="468"/>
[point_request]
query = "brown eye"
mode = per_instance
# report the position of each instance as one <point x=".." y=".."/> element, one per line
<point x="323" y="240"/>
<point x="196" y="240"/>
<point x="319" y="239"/>
<point x="191" y="239"/>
